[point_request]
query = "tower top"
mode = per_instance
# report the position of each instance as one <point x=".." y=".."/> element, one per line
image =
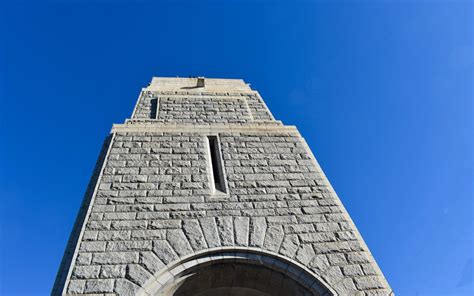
<point x="197" y="83"/>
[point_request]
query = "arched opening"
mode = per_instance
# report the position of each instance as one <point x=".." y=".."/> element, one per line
<point x="236" y="273"/>
<point x="236" y="279"/>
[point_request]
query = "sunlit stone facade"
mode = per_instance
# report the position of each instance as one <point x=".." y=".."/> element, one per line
<point x="204" y="192"/>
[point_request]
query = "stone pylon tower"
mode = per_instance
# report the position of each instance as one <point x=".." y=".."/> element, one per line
<point x="202" y="192"/>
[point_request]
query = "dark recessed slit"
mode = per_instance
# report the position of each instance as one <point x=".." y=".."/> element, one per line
<point x="216" y="163"/>
<point x="154" y="107"/>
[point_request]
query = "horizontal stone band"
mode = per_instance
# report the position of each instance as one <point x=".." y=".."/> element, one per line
<point x="251" y="128"/>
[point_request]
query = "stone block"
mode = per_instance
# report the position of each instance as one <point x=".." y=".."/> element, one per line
<point x="273" y="238"/>
<point x="164" y="251"/>
<point x="289" y="245"/>
<point x="84" y="259"/>
<point x="114" y="235"/>
<point x="122" y="225"/>
<point x="112" y="271"/>
<point x="241" y="228"/>
<point x="368" y="282"/>
<point x="258" y="229"/>
<point x="115" y="258"/>
<point x="151" y="262"/>
<point x="137" y="274"/>
<point x="99" y="286"/>
<point x="86" y="272"/>
<point x="305" y="254"/>
<point x="124" y="287"/>
<point x="76" y="286"/>
<point x="194" y="235"/>
<point x="93" y="246"/>
<point x="136" y="245"/>
<point x="209" y="229"/>
<point x="225" y="229"/>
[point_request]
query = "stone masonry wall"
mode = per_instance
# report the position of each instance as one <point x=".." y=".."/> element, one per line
<point x="202" y="108"/>
<point x="153" y="205"/>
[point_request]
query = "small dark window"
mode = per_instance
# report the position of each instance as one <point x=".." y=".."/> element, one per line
<point x="154" y="108"/>
<point x="216" y="164"/>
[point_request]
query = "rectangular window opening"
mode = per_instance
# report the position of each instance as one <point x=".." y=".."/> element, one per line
<point x="217" y="170"/>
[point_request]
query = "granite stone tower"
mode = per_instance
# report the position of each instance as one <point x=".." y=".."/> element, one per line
<point x="202" y="192"/>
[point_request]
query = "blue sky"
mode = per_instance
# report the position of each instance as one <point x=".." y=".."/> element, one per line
<point x="381" y="90"/>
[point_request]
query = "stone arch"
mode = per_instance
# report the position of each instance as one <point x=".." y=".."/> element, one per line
<point x="226" y="270"/>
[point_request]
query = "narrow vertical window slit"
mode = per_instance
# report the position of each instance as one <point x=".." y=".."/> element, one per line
<point x="217" y="170"/>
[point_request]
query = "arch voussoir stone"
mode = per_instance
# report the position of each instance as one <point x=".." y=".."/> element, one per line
<point x="178" y="241"/>
<point x="150" y="261"/>
<point x="193" y="233"/>
<point x="289" y="245"/>
<point x="258" y="229"/>
<point x="164" y="251"/>
<point x="241" y="231"/>
<point x="273" y="238"/>
<point x="209" y="229"/>
<point x="225" y="227"/>
<point x="125" y="287"/>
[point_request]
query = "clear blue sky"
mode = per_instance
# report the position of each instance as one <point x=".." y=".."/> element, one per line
<point x="382" y="91"/>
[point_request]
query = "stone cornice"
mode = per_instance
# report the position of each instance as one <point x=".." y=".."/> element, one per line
<point x="214" y="128"/>
<point x="198" y="92"/>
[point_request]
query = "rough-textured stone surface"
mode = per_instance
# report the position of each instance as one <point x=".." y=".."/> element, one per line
<point x="209" y="228"/>
<point x="290" y="245"/>
<point x="76" y="286"/>
<point x="126" y="288"/>
<point x="137" y="274"/>
<point x="150" y="201"/>
<point x="226" y="230"/>
<point x="151" y="262"/>
<point x="273" y="238"/>
<point x="112" y="271"/>
<point x="194" y="234"/>
<point x="99" y="286"/>
<point x="86" y="272"/>
<point x="241" y="228"/>
<point x="257" y="234"/>
<point x="164" y="251"/>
